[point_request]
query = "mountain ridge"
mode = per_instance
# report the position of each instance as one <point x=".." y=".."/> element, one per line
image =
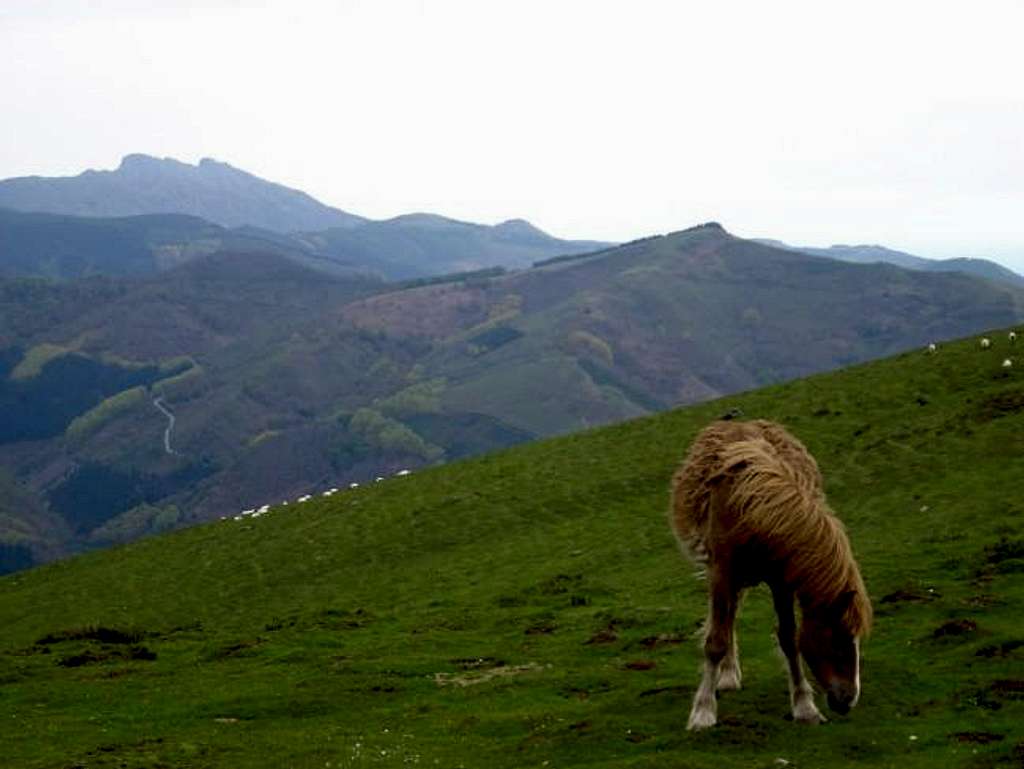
<point x="143" y="184"/>
<point x="867" y="254"/>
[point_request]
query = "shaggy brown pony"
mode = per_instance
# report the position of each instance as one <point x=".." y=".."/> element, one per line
<point x="748" y="505"/>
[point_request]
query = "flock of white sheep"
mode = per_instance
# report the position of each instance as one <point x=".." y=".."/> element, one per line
<point x="256" y="512"/>
<point x="985" y="343"/>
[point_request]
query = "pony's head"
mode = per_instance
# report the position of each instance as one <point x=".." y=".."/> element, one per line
<point x="830" y="643"/>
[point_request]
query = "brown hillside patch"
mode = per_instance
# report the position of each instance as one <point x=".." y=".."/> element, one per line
<point x="430" y="311"/>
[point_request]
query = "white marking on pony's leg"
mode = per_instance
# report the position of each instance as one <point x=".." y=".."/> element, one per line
<point x="802" y="697"/>
<point x="704" y="712"/>
<point x="730" y="677"/>
<point x="717" y="642"/>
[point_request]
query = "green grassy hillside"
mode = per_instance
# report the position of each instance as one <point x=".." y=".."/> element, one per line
<point x="530" y="608"/>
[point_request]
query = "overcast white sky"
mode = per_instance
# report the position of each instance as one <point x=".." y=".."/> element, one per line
<point x="900" y="123"/>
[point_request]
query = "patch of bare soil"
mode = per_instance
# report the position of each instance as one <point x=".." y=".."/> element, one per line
<point x="908" y="596"/>
<point x="664" y="690"/>
<point x="1004" y="649"/>
<point x="641" y="665"/>
<point x="660" y="640"/>
<point x="977" y="738"/>
<point x="472" y="678"/>
<point x="1000" y="405"/>
<point x="606" y="635"/>
<point x="955" y="628"/>
<point x="1008" y="688"/>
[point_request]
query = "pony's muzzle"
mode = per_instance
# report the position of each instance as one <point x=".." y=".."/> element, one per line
<point x="842" y="697"/>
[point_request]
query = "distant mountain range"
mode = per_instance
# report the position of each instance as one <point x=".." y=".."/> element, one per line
<point x="125" y="229"/>
<point x="284" y="380"/>
<point x="142" y="184"/>
<point x="983" y="268"/>
<point x="118" y="222"/>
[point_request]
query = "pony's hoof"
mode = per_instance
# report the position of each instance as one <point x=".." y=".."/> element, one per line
<point x="729" y="681"/>
<point x="811" y="716"/>
<point x="701" y="719"/>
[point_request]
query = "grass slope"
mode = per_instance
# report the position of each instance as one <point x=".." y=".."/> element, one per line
<point x="530" y="608"/>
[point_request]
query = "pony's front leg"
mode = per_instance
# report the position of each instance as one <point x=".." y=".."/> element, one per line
<point x="801" y="695"/>
<point x="730" y="677"/>
<point x="717" y="643"/>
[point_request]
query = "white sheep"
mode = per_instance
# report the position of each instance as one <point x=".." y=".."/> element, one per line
<point x="985" y="343"/>
<point x="1012" y="336"/>
<point x="304" y="498"/>
<point x="378" y="479"/>
<point x="353" y="485"/>
<point x="264" y="509"/>
<point x="1007" y="363"/>
<point x="932" y="347"/>
<point x="402" y="473"/>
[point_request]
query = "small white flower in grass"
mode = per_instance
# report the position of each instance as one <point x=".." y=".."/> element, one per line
<point x="1007" y="363"/>
<point x="913" y="737"/>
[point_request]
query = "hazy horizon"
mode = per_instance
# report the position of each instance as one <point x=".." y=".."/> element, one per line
<point x="896" y="125"/>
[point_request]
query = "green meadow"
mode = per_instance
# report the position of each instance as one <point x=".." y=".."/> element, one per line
<point x="530" y="608"/>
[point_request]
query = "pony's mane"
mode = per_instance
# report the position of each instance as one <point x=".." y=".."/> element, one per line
<point x="774" y="490"/>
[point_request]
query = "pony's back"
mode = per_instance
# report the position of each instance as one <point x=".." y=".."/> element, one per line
<point x="717" y="451"/>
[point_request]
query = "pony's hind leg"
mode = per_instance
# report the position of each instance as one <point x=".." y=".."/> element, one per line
<point x="801" y="695"/>
<point x="718" y="640"/>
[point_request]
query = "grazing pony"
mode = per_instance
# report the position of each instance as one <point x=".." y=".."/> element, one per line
<point x="748" y="505"/>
